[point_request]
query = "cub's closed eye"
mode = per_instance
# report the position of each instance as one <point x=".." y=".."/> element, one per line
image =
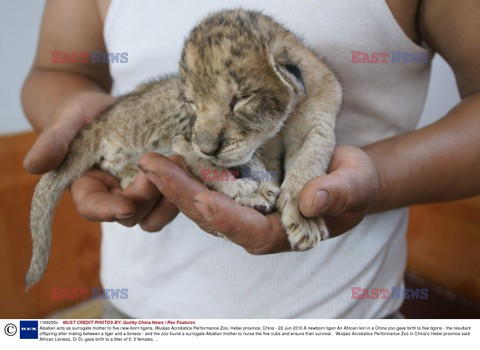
<point x="236" y="99"/>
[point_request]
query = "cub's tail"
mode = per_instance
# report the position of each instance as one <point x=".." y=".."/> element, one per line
<point x="81" y="157"/>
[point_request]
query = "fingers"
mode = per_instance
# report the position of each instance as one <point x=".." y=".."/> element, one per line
<point x="50" y="147"/>
<point x="174" y="183"/>
<point x="162" y="214"/>
<point x="256" y="233"/>
<point x="343" y="223"/>
<point x="148" y="204"/>
<point x="344" y="196"/>
<point x="97" y="197"/>
<point x="351" y="185"/>
<point x="334" y="198"/>
<point x="52" y="144"/>
<point x="213" y="211"/>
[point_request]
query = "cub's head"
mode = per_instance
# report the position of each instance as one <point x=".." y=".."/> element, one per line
<point x="240" y="88"/>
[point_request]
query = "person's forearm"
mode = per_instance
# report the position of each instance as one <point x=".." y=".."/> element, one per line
<point x="44" y="89"/>
<point x="437" y="163"/>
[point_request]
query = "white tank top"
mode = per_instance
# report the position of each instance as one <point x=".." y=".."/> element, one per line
<point x="182" y="272"/>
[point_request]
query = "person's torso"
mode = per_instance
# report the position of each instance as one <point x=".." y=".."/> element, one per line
<point x="181" y="272"/>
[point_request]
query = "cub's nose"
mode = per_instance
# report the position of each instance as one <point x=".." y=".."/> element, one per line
<point x="211" y="149"/>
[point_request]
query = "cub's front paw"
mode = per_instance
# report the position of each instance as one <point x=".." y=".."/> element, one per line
<point x="260" y="196"/>
<point x="303" y="233"/>
<point x="263" y="199"/>
<point x="234" y="189"/>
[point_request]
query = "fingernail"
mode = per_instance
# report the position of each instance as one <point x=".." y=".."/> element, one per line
<point x="320" y="202"/>
<point x="123" y="216"/>
<point x="204" y="209"/>
<point x="144" y="170"/>
<point x="155" y="179"/>
<point x="25" y="163"/>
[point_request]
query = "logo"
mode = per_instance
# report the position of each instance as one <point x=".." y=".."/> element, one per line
<point x="239" y="175"/>
<point x="85" y="293"/>
<point x="393" y="293"/>
<point x="86" y="57"/>
<point x="101" y="293"/>
<point x="389" y="57"/>
<point x="28" y="329"/>
<point x="10" y="329"/>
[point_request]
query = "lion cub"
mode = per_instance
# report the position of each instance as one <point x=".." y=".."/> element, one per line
<point x="249" y="95"/>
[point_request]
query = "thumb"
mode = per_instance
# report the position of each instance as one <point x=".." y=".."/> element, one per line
<point x="48" y="151"/>
<point x="68" y="119"/>
<point x="329" y="195"/>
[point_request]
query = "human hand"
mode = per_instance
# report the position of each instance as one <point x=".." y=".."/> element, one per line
<point x="345" y="195"/>
<point x="97" y="195"/>
<point x="352" y="185"/>
<point x="212" y="211"/>
<point x="67" y="119"/>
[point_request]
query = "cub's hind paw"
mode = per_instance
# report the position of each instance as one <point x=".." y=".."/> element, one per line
<point x="127" y="176"/>
<point x="126" y="181"/>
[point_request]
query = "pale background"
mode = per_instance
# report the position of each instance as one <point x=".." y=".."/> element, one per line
<point x="19" y="29"/>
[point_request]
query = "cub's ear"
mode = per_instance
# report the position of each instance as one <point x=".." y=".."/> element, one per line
<point x="291" y="75"/>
